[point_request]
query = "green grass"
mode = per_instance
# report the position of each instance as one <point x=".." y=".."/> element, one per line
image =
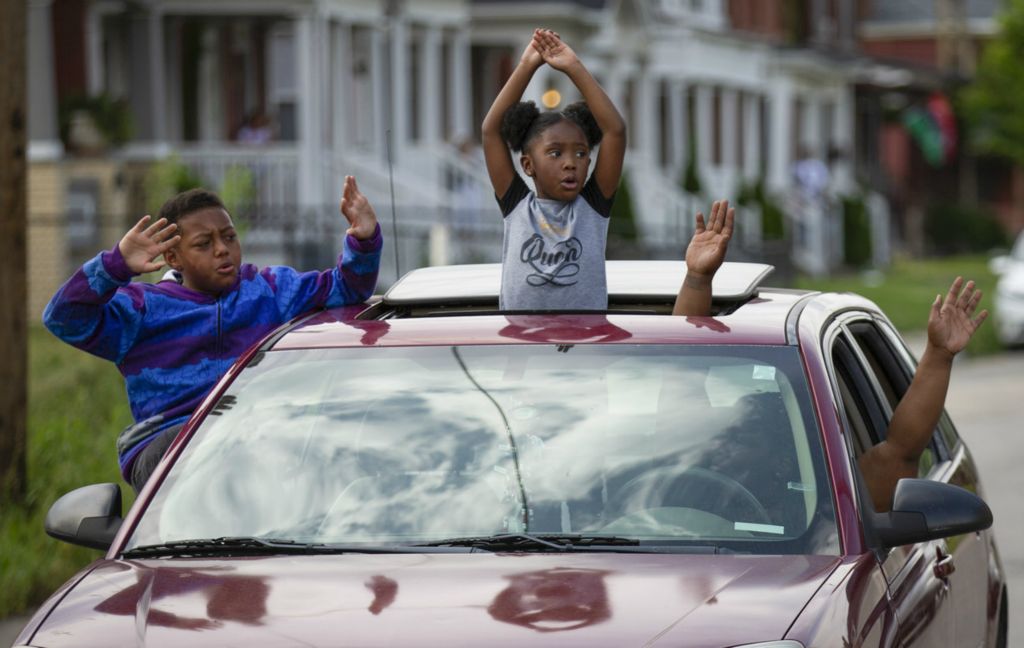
<point x="77" y="406"/>
<point x="905" y="292"/>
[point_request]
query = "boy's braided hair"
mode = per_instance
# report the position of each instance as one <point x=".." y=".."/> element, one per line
<point x="523" y="122"/>
<point x="188" y="202"/>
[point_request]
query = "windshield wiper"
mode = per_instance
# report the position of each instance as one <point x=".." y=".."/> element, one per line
<point x="573" y="542"/>
<point x="245" y="546"/>
<point x="541" y="542"/>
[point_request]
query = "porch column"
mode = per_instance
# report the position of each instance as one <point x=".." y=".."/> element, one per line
<point x="461" y="91"/>
<point x="751" y="137"/>
<point x="430" y="125"/>
<point x="43" y="136"/>
<point x="646" y="118"/>
<point x="310" y="181"/>
<point x="341" y="85"/>
<point x="211" y="127"/>
<point x="377" y="85"/>
<point x="728" y="122"/>
<point x="705" y="127"/>
<point x="94" y="49"/>
<point x="157" y="77"/>
<point x="399" y="85"/>
<point x="174" y="119"/>
<point x="677" y="125"/>
<point x="811" y="129"/>
<point x="842" y="131"/>
<point x="146" y="73"/>
<point x="781" y="134"/>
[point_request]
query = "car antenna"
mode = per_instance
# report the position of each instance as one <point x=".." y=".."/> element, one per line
<point x="394" y="218"/>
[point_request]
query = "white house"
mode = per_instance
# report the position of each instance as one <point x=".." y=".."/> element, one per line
<point x="388" y="90"/>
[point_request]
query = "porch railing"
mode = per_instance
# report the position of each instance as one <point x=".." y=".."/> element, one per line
<point x="275" y="170"/>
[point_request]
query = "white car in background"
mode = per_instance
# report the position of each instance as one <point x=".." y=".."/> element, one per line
<point x="1009" y="303"/>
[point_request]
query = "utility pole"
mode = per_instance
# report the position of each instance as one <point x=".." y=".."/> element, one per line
<point x="13" y="271"/>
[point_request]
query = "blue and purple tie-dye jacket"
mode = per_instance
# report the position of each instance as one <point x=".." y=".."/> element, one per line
<point x="172" y="344"/>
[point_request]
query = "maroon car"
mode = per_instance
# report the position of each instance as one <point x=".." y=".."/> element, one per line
<point x="428" y="470"/>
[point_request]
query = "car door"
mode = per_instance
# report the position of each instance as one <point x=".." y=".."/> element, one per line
<point x="949" y="461"/>
<point x="871" y="382"/>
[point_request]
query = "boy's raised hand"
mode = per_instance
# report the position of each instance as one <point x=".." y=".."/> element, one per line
<point x="554" y="51"/>
<point x="951" y="322"/>
<point x="143" y="244"/>
<point x="357" y="210"/>
<point x="707" y="248"/>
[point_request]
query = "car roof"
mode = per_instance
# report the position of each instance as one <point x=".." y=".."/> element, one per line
<point x="459" y="305"/>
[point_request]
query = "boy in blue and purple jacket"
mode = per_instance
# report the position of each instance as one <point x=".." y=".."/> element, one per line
<point x="173" y="340"/>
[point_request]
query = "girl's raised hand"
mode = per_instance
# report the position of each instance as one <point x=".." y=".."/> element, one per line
<point x="143" y="244"/>
<point x="358" y="211"/>
<point x="531" y="57"/>
<point x="554" y="51"/>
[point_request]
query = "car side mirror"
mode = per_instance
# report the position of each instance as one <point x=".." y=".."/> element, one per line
<point x="89" y="516"/>
<point x="927" y="510"/>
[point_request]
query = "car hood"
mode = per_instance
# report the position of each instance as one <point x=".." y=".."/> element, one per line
<point x="582" y="599"/>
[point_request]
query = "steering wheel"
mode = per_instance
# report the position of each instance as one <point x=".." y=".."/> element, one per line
<point x="691" y="487"/>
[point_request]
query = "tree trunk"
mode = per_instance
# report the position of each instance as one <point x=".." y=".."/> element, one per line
<point x="13" y="278"/>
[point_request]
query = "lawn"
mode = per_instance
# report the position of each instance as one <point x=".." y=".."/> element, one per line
<point x="77" y="406"/>
<point x="905" y="292"/>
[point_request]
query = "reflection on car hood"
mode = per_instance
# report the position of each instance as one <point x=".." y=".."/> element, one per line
<point x="438" y="599"/>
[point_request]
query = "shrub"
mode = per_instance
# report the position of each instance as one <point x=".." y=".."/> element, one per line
<point x="856" y="232"/>
<point x="622" y="226"/>
<point x="958" y="229"/>
<point x="753" y="194"/>
<point x="112" y="117"/>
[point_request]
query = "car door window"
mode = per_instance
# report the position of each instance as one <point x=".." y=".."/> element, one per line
<point x="891" y="374"/>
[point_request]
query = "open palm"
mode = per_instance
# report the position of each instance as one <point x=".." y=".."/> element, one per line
<point x="555" y="52"/>
<point x="951" y="322"/>
<point x="144" y="243"/>
<point x="707" y="248"/>
<point x="357" y="210"/>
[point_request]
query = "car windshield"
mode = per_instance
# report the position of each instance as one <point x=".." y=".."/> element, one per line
<point x="668" y="445"/>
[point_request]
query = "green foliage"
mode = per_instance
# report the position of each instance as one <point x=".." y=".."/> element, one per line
<point x="166" y="178"/>
<point x="238" y="190"/>
<point x="171" y="176"/>
<point x="794" y="20"/>
<point x="856" y="232"/>
<point x="906" y="289"/>
<point x="622" y="226"/>
<point x="76" y="408"/>
<point x="955" y="229"/>
<point x="773" y="222"/>
<point x="994" y="103"/>
<point x="690" y="181"/>
<point x="113" y="117"/>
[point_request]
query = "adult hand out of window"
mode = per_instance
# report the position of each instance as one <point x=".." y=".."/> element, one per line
<point x="951" y="324"/>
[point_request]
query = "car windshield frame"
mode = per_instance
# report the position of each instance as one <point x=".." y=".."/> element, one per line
<point x="400" y="446"/>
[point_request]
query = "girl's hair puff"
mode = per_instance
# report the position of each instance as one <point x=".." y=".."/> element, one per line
<point x="524" y="121"/>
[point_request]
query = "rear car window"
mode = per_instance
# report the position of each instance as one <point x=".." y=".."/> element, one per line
<point x="665" y="444"/>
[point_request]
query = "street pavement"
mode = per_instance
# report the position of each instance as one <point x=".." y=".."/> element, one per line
<point x="986" y="401"/>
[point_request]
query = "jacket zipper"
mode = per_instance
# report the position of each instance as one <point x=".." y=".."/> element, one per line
<point x="219" y="349"/>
